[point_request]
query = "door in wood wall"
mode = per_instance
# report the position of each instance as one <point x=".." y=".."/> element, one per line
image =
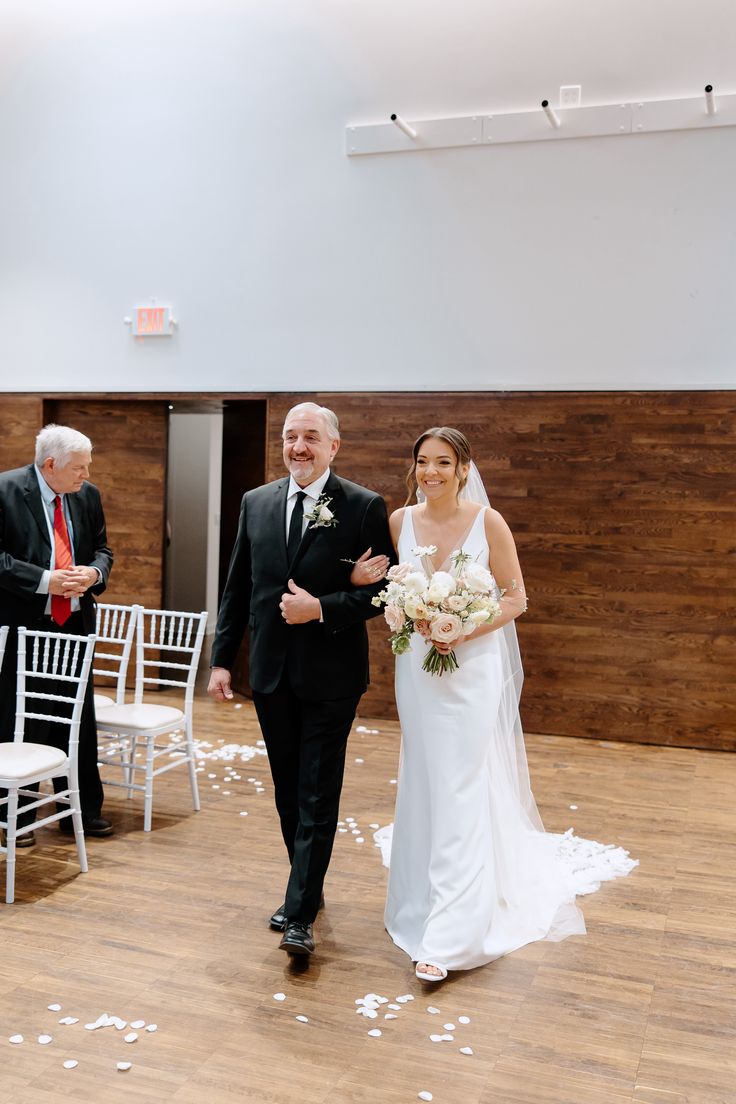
<point x="243" y="468"/>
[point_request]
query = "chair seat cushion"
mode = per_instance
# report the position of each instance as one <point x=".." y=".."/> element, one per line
<point x="139" y="717"/>
<point x="19" y="761"/>
<point x="103" y="702"/>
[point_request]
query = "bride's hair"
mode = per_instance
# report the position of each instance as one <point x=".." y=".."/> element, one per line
<point x="457" y="441"/>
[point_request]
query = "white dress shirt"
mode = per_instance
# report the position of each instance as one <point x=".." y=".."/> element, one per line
<point x="48" y="496"/>
<point x="312" y="493"/>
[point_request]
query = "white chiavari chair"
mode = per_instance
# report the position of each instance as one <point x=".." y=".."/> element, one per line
<point x="52" y="668"/>
<point x="115" y="630"/>
<point x="168" y="645"/>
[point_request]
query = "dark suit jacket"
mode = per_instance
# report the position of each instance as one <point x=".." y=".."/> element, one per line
<point x="326" y="660"/>
<point x="25" y="548"/>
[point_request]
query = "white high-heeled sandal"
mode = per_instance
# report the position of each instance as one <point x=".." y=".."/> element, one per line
<point x="431" y="977"/>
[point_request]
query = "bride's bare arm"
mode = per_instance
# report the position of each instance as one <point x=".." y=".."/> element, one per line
<point x="369" y="569"/>
<point x="504" y="563"/>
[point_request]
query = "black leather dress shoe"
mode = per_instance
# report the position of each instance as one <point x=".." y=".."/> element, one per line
<point x="28" y="840"/>
<point x="298" y="938"/>
<point x="95" y="826"/>
<point x="278" y="920"/>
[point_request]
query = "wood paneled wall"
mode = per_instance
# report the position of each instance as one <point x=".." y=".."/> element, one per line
<point x="129" y="467"/>
<point x="623" y="506"/>
<point x="624" y="510"/>
<point x="22" y="418"/>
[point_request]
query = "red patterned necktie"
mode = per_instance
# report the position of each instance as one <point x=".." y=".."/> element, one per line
<point x="61" y="608"/>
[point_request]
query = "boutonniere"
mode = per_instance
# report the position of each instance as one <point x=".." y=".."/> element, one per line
<point x="321" y="516"/>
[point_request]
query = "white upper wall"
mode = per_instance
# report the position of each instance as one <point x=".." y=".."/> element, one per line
<point x="193" y="152"/>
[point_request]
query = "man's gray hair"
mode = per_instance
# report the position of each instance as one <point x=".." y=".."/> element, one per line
<point x="330" y="417"/>
<point x="57" y="443"/>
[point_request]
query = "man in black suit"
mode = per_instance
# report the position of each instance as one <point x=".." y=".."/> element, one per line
<point x="289" y="586"/>
<point x="53" y="558"/>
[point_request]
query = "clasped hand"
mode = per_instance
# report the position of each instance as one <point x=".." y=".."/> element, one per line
<point x="72" y="582"/>
<point x="299" y="606"/>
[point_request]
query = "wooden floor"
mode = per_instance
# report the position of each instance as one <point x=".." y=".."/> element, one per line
<point x="169" y="928"/>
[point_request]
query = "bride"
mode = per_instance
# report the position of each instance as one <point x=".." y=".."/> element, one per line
<point x="472" y="873"/>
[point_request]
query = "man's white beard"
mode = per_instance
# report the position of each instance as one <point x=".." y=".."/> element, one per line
<point x="302" y="471"/>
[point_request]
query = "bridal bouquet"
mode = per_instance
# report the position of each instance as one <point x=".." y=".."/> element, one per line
<point x="442" y="606"/>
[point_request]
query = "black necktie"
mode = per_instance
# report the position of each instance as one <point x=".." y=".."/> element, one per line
<point x="295" y="526"/>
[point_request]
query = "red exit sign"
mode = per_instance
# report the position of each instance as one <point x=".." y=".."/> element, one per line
<point x="152" y="321"/>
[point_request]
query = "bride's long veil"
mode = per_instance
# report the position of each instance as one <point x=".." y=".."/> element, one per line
<point x="509" y="733"/>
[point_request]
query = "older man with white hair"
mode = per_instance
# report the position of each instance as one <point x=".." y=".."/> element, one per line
<point x="289" y="587"/>
<point x="53" y="558"/>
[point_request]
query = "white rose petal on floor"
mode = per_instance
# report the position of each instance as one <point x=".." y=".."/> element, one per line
<point x="434" y="1011"/>
<point x="375" y="1032"/>
<point x="54" y="1007"/>
<point x="131" y="1037"/>
<point x="71" y="1063"/>
<point x="302" y="1019"/>
<point x="122" y="1066"/>
<point x="466" y="1050"/>
<point x="463" y="1019"/>
<point x="436" y="1038"/>
<point x="137" y="1024"/>
<point x="424" y="1095"/>
<point x="152" y="1027"/>
<point x="447" y="1027"/>
<point x="279" y="996"/>
<point x="15" y="1039"/>
<point x="44" y="1040"/>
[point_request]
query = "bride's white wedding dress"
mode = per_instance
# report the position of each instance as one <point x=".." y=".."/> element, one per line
<point x="472" y="873"/>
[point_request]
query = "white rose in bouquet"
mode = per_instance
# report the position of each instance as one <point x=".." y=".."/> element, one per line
<point x="441" y="585"/>
<point x="415" y="582"/>
<point x="477" y="579"/>
<point x="415" y="607"/>
<point x="479" y="617"/>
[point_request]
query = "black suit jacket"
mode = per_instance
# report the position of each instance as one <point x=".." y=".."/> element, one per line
<point x="325" y="660"/>
<point x="25" y="548"/>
